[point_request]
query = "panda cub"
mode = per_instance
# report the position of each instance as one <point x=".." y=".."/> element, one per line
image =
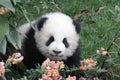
<point x="56" y="36"/>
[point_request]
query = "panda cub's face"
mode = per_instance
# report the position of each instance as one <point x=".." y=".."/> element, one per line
<point x="56" y="38"/>
<point x="57" y="47"/>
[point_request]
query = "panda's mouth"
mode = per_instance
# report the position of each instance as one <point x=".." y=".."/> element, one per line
<point x="56" y="55"/>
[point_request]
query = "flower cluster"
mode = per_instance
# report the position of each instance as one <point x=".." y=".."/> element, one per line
<point x="87" y="64"/>
<point x="71" y="78"/>
<point x="3" y="10"/>
<point x="2" y="69"/>
<point x="47" y="64"/>
<point x="45" y="77"/>
<point x="52" y="68"/>
<point x="102" y="51"/>
<point x="15" y="58"/>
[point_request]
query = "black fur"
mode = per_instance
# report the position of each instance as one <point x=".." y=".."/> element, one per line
<point x="73" y="60"/>
<point x="77" y="26"/>
<point x="65" y="43"/>
<point x="51" y="39"/>
<point x="31" y="54"/>
<point x="41" y="22"/>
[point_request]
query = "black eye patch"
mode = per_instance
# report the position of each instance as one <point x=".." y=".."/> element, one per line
<point x="51" y="39"/>
<point x="65" y="43"/>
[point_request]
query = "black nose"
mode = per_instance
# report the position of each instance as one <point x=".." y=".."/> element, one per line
<point x="56" y="52"/>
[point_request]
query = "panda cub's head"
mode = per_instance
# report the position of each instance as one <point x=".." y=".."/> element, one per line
<point x="57" y="36"/>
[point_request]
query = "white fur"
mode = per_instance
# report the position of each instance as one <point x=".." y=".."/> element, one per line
<point x="60" y="26"/>
<point x="22" y="30"/>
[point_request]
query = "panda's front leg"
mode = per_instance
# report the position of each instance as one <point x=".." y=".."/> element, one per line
<point x="74" y="60"/>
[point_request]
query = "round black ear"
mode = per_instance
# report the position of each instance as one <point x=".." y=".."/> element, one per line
<point x="77" y="26"/>
<point x="40" y="22"/>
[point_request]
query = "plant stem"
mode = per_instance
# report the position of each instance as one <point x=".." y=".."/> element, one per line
<point x="113" y="40"/>
<point x="24" y="13"/>
<point x="116" y="45"/>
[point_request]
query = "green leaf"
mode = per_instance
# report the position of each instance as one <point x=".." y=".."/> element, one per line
<point x="7" y="70"/>
<point x="13" y="79"/>
<point x="116" y="75"/>
<point x="16" y="1"/>
<point x="14" y="39"/>
<point x="101" y="70"/>
<point x="7" y="4"/>
<point x="110" y="60"/>
<point x="4" y="27"/>
<point x="3" y="45"/>
<point x="24" y="13"/>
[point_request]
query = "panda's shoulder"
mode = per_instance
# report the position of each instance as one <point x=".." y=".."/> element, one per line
<point x="24" y="29"/>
